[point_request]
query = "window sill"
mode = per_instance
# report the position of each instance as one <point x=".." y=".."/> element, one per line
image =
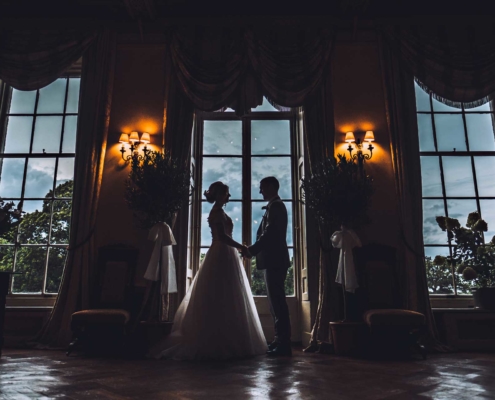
<point x="30" y="301"/>
<point x="445" y="302"/>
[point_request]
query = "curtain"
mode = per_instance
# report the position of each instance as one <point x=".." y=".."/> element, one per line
<point x="400" y="105"/>
<point x="454" y="63"/>
<point x="94" y="112"/>
<point x="30" y="59"/>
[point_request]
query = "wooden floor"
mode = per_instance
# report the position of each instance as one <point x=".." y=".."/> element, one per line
<point x="28" y="374"/>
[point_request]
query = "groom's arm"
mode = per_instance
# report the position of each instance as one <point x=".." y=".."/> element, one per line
<point x="276" y="216"/>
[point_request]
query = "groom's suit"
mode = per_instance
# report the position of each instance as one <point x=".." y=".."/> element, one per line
<point x="272" y="256"/>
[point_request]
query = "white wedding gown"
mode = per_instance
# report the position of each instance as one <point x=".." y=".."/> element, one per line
<point x="217" y="318"/>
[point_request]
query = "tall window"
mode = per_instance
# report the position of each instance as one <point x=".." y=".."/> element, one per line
<point x="457" y="148"/>
<point x="240" y="152"/>
<point x="37" y="150"/>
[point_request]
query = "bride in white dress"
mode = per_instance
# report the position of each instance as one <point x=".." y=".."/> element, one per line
<point x="217" y="318"/>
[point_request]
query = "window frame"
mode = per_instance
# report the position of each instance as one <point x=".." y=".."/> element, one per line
<point x="43" y="299"/>
<point x="294" y="116"/>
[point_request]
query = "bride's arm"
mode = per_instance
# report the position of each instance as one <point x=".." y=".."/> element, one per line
<point x="226" y="238"/>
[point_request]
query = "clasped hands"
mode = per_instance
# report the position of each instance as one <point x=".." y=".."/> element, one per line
<point x="244" y="251"/>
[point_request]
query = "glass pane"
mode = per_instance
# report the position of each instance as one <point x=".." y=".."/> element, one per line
<point x="265" y="106"/>
<point x="70" y="129"/>
<point x="432" y="234"/>
<point x="483" y="107"/>
<point x="480" y="132"/>
<point x="222" y="137"/>
<point x="52" y="97"/>
<point x="270" y="137"/>
<point x="430" y="176"/>
<point x="233" y="210"/>
<point x="422" y="99"/>
<point x="39" y="179"/>
<point x="228" y="170"/>
<point x="458" y="176"/>
<point x="22" y="102"/>
<point x="6" y="258"/>
<point x="11" y="174"/>
<point x="65" y="177"/>
<point x="18" y="137"/>
<point x="56" y="262"/>
<point x="289" y="280"/>
<point x="36" y="222"/>
<point x="425" y="131"/>
<point x="202" y="254"/>
<point x="439" y="106"/>
<point x="488" y="214"/>
<point x="450" y="132"/>
<point x="460" y="209"/>
<point x="31" y="262"/>
<point x="61" y="222"/>
<point x="73" y="95"/>
<point x="485" y="175"/>
<point x="279" y="167"/>
<point x="438" y="277"/>
<point x="47" y="133"/>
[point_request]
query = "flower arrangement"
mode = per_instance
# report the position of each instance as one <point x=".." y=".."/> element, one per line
<point x="339" y="192"/>
<point x="474" y="260"/>
<point x="157" y="187"/>
<point x="9" y="216"/>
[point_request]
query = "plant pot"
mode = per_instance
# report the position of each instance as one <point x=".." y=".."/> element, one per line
<point x="484" y="298"/>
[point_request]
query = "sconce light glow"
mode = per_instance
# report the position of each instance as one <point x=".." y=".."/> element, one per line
<point x="369" y="136"/>
<point x="134" y="137"/>
<point x="349" y="137"/>
<point x="145" y="138"/>
<point x="124" y="138"/>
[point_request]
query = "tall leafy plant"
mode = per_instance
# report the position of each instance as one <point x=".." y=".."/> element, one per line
<point x="156" y="188"/>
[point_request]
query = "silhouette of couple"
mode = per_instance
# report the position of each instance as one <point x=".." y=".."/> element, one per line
<point x="217" y="318"/>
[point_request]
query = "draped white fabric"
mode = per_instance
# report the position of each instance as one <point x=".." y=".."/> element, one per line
<point x="346" y="240"/>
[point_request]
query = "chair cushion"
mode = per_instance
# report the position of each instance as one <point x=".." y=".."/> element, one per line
<point x="104" y="316"/>
<point x="393" y="317"/>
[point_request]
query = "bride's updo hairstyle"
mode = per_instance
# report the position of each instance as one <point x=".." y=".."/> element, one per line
<point x="214" y="189"/>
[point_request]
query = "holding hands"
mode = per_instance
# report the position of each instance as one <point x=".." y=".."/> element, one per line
<point x="244" y="251"/>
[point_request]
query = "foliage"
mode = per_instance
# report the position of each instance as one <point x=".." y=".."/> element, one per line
<point x="338" y="192"/>
<point x="10" y="216"/>
<point x="439" y="277"/>
<point x="474" y="260"/>
<point x="156" y="188"/>
<point x="34" y="229"/>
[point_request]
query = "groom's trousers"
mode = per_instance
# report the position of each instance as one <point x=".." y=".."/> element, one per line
<point x="275" y="286"/>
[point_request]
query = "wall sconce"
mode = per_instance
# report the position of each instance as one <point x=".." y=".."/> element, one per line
<point x="134" y="141"/>
<point x="360" y="156"/>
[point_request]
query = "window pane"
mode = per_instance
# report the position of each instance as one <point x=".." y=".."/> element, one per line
<point x="450" y="132"/>
<point x="432" y="234"/>
<point x="39" y="179"/>
<point x="31" y="263"/>
<point x="483" y="107"/>
<point x="460" y="209"/>
<point x="222" y="137"/>
<point x="73" y="95"/>
<point x="233" y="210"/>
<point x="65" y="173"/>
<point x="458" y="176"/>
<point x="47" y="132"/>
<point x="270" y="137"/>
<point x="202" y="254"/>
<point x="485" y="175"/>
<point x="439" y="278"/>
<point x="52" y="97"/>
<point x="425" y="130"/>
<point x="22" y="102"/>
<point x="279" y="167"/>
<point x="56" y="262"/>
<point x="70" y="129"/>
<point x="422" y="98"/>
<point x="228" y="170"/>
<point x="480" y="132"/>
<point x="430" y="176"/>
<point x="36" y="222"/>
<point x="488" y="214"/>
<point x="6" y="258"/>
<point x="439" y="106"/>
<point x="61" y="221"/>
<point x="12" y="171"/>
<point x="265" y="106"/>
<point x="18" y="137"/>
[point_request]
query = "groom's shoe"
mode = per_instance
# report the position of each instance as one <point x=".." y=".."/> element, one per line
<point x="282" y="350"/>
<point x="272" y="345"/>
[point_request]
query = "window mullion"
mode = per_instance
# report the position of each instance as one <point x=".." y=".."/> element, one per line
<point x="246" y="189"/>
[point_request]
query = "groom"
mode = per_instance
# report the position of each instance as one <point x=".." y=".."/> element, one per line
<point x="272" y="256"/>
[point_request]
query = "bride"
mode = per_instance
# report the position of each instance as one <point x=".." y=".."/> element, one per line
<point x="217" y="318"/>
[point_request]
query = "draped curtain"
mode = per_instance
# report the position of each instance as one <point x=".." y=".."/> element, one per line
<point x="94" y="112"/>
<point x="454" y="63"/>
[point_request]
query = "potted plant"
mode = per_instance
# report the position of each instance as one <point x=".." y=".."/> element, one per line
<point x="473" y="259"/>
